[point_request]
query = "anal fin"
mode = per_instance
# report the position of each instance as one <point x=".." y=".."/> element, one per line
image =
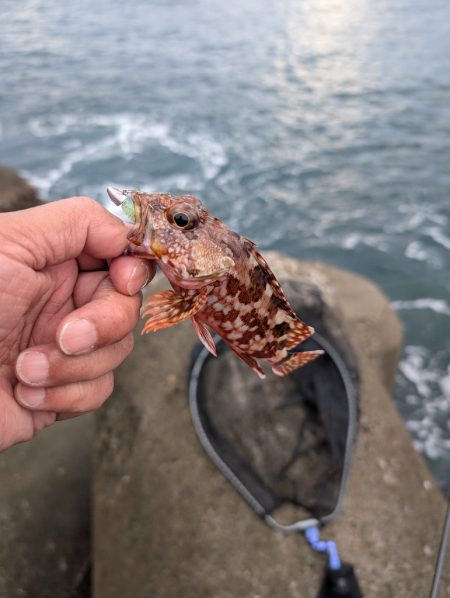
<point x="204" y="335"/>
<point x="168" y="308"/>
<point x="294" y="361"/>
<point x="252" y="363"/>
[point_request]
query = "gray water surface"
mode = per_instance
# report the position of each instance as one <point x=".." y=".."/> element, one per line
<point x="318" y="128"/>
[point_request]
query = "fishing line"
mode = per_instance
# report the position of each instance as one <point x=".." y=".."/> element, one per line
<point x="441" y="554"/>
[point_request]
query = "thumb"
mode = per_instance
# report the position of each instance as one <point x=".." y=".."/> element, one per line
<point x="62" y="230"/>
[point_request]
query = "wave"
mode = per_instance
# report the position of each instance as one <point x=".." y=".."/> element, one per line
<point x="121" y="135"/>
<point x="416" y="251"/>
<point x="438" y="236"/>
<point x="427" y="392"/>
<point x="94" y="150"/>
<point x="439" y="306"/>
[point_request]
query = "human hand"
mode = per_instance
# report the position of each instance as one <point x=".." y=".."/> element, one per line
<point x="66" y="320"/>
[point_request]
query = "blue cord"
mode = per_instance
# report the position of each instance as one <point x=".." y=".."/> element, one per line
<point x="313" y="538"/>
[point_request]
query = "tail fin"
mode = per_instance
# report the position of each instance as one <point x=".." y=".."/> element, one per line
<point x="298" y="333"/>
<point x="294" y="361"/>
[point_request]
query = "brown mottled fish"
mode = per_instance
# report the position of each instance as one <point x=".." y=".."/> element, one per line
<point x="219" y="280"/>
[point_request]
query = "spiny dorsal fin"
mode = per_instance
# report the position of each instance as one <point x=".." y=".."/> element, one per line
<point x="271" y="278"/>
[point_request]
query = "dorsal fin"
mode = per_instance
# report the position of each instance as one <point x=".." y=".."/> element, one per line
<point x="271" y="278"/>
<point x="299" y="331"/>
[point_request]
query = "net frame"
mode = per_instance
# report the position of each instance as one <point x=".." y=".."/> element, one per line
<point x="300" y="525"/>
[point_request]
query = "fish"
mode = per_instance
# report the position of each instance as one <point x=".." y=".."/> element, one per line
<point x="219" y="280"/>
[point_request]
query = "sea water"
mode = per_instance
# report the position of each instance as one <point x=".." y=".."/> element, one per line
<point x="318" y="128"/>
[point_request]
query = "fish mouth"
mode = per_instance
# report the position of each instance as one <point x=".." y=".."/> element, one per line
<point x="141" y="234"/>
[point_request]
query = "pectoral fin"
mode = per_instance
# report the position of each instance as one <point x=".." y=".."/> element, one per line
<point x="168" y="308"/>
<point x="294" y="361"/>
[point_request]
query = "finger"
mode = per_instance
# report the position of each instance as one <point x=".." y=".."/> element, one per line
<point x="60" y="417"/>
<point x="43" y="419"/>
<point x="47" y="366"/>
<point x="130" y="274"/>
<point x="62" y="230"/>
<point x="69" y="398"/>
<point x="104" y="320"/>
<point x="86" y="286"/>
<point x="87" y="263"/>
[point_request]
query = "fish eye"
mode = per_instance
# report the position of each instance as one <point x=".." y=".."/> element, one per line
<point x="182" y="219"/>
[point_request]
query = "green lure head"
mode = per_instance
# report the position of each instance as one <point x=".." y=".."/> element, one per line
<point x="128" y="210"/>
<point x="125" y="201"/>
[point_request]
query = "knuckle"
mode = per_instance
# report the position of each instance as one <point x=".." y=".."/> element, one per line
<point x="127" y="312"/>
<point x="108" y="387"/>
<point x="100" y="390"/>
<point x="91" y="395"/>
<point x="87" y="202"/>
<point x="79" y="395"/>
<point x="128" y="343"/>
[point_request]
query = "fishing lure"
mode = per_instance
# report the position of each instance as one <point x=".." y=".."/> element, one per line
<point x="219" y="280"/>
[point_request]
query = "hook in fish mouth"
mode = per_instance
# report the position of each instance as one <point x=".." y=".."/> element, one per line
<point x="141" y="234"/>
<point x="126" y="200"/>
<point x="117" y="196"/>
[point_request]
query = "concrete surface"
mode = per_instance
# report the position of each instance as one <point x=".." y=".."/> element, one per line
<point x="45" y="513"/>
<point x="167" y="524"/>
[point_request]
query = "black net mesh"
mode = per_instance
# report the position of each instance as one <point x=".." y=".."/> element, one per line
<point x="284" y="438"/>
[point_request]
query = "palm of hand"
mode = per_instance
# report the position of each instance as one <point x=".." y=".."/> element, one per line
<point x="66" y="317"/>
<point x="37" y="302"/>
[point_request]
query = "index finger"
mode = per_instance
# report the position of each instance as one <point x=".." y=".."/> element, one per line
<point x="62" y="230"/>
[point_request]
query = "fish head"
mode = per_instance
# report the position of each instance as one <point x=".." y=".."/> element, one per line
<point x="189" y="245"/>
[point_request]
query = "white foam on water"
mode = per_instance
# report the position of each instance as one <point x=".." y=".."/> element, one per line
<point x="439" y="306"/>
<point x="352" y="240"/>
<point x="429" y="398"/>
<point x="410" y="223"/>
<point x="94" y="151"/>
<point x="53" y="127"/>
<point x="124" y="135"/>
<point x="416" y="251"/>
<point x="438" y="236"/>
<point x="413" y="369"/>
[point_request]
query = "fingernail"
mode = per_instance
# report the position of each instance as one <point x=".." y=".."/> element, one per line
<point x="30" y="397"/>
<point x="78" y="336"/>
<point x="139" y="277"/>
<point x="32" y="367"/>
